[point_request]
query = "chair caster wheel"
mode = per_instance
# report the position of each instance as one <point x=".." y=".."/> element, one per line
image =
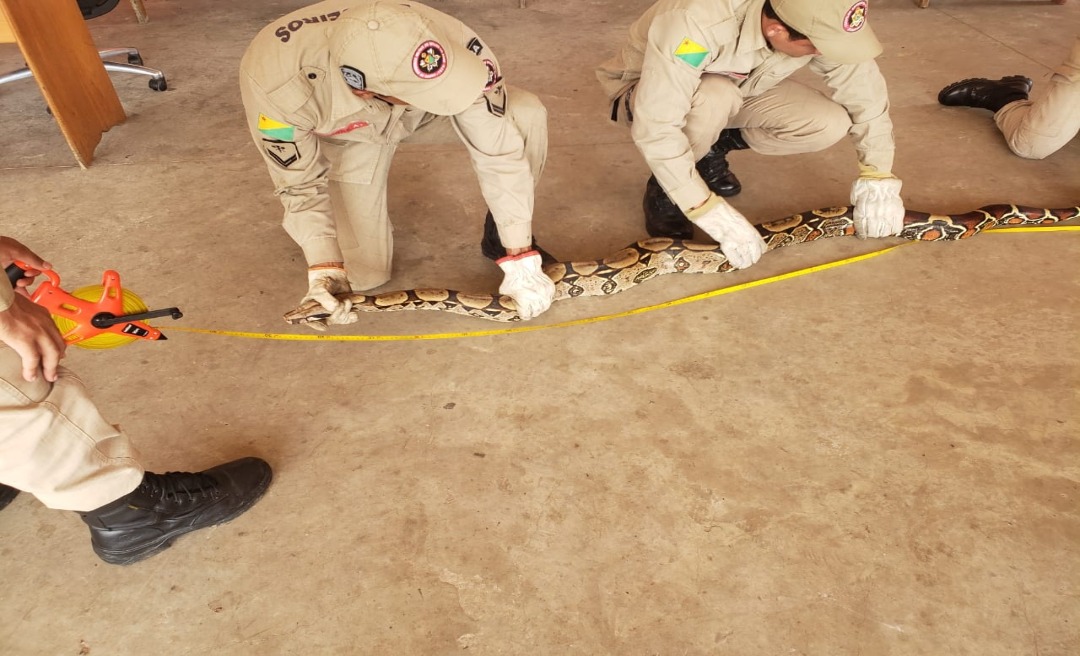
<point x="135" y="59"/>
<point x="158" y="84"/>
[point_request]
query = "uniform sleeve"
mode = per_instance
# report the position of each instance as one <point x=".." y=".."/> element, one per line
<point x="675" y="54"/>
<point x="861" y="90"/>
<point x="299" y="172"/>
<point x="497" y="150"/>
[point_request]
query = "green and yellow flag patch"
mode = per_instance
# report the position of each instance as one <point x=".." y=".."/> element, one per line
<point x="691" y="52"/>
<point x="275" y="129"/>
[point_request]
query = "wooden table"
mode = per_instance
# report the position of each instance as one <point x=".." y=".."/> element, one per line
<point x="58" y="48"/>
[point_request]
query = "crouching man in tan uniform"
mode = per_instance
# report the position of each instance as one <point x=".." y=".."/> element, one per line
<point x="1033" y="129"/>
<point x="700" y="78"/>
<point x="332" y="89"/>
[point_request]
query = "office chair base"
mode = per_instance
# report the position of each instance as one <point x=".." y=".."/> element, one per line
<point x="134" y="65"/>
<point x="20" y="74"/>
<point x="157" y="78"/>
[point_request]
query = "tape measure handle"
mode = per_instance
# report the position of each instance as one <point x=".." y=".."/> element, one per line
<point x="14" y="273"/>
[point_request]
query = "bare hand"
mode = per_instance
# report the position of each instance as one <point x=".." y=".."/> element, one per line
<point x="29" y="329"/>
<point x="25" y="326"/>
<point x="11" y="250"/>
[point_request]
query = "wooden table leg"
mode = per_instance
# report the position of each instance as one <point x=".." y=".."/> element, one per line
<point x="58" y="48"/>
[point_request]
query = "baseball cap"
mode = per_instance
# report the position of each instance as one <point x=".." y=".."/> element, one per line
<point x="837" y="28"/>
<point x="411" y="52"/>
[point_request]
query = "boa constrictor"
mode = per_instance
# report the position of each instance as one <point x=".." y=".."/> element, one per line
<point x="649" y="258"/>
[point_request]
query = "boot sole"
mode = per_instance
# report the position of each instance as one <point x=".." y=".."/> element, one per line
<point x="127" y="557"/>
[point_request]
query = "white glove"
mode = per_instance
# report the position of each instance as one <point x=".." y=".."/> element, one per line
<point x="526" y="283"/>
<point x="323" y="283"/>
<point x="738" y="239"/>
<point x="879" y="210"/>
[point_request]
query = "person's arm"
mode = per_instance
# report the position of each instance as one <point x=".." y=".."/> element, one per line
<point x="299" y="172"/>
<point x="875" y="194"/>
<point x="676" y="52"/>
<point x="496" y="148"/>
<point x="861" y="90"/>
<point x="25" y="326"/>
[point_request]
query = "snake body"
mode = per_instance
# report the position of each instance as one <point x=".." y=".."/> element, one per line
<point x="658" y="256"/>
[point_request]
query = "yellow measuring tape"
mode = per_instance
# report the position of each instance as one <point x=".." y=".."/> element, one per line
<point x="581" y="322"/>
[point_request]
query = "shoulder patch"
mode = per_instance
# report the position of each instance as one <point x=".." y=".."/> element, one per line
<point x="493" y="76"/>
<point x="495" y="97"/>
<point x="283" y="153"/>
<point x="275" y="129"/>
<point x="691" y="52"/>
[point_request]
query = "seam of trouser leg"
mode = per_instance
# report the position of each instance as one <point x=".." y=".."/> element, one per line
<point x="39" y="457"/>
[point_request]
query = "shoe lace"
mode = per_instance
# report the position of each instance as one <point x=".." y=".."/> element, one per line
<point x="175" y="485"/>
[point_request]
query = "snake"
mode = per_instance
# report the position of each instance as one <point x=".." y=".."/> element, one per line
<point x="657" y="256"/>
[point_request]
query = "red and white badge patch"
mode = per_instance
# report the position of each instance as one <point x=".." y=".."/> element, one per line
<point x="856" y="16"/>
<point x="492" y="74"/>
<point x="429" y="60"/>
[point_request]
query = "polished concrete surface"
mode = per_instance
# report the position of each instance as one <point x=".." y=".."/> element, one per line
<point x="878" y="458"/>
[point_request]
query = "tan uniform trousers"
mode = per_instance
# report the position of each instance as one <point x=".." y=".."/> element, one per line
<point x="55" y="445"/>
<point x="1036" y="129"/>
<point x="787" y="119"/>
<point x="358" y="181"/>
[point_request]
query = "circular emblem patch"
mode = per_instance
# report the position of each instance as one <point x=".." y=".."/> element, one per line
<point x="429" y="60"/>
<point x="856" y="16"/>
<point x="353" y="78"/>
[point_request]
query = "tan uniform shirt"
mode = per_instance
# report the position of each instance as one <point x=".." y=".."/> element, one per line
<point x="293" y="97"/>
<point x="677" y="41"/>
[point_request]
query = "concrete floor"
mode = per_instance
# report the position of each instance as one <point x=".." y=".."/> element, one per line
<point x="877" y="459"/>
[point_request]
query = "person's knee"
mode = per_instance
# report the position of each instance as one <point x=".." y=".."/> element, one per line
<point x="1030" y="149"/>
<point x="367" y="280"/>
<point x="715" y="101"/>
<point x="837" y="125"/>
<point x="823" y="128"/>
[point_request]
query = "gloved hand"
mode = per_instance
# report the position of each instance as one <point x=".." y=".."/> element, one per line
<point x="323" y="283"/>
<point x="738" y="239"/>
<point x="879" y="210"/>
<point x="526" y="283"/>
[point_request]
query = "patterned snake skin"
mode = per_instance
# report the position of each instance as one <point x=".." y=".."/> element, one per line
<point x="649" y="258"/>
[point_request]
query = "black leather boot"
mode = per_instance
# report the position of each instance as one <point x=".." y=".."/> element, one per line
<point x="492" y="248"/>
<point x="986" y="94"/>
<point x="166" y="506"/>
<point x="663" y="218"/>
<point x="714" y="166"/>
<point x="7" y="495"/>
